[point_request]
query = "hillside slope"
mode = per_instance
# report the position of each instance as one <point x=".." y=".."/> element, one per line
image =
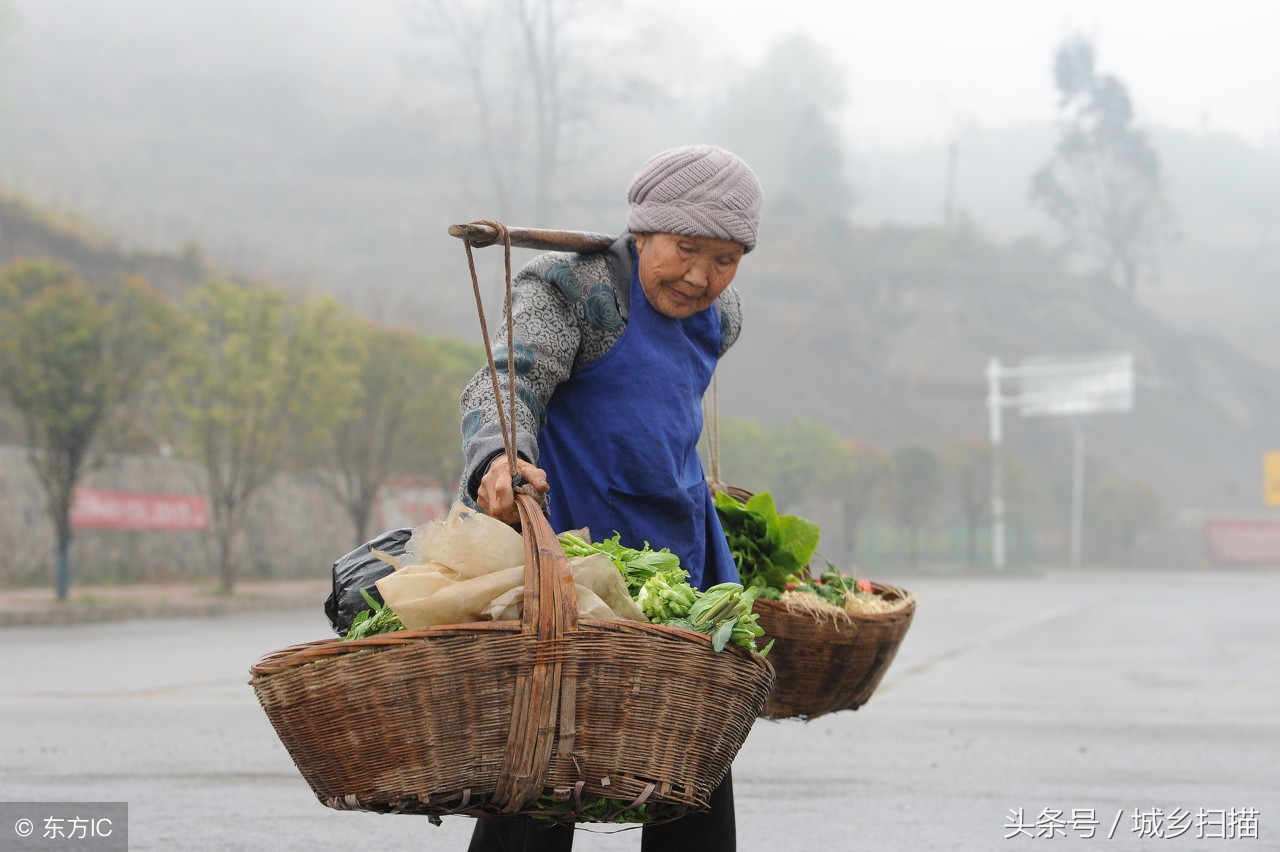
<point x="27" y="231"/>
<point x="890" y="339"/>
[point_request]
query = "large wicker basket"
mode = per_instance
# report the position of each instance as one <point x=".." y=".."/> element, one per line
<point x="827" y="664"/>
<point x="545" y="716"/>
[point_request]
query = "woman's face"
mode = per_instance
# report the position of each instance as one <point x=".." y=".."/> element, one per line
<point x="683" y="275"/>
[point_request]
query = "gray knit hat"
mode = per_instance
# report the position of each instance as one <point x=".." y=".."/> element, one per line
<point x="698" y="191"/>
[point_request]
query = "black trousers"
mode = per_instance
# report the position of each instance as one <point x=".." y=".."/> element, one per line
<point x="714" y="830"/>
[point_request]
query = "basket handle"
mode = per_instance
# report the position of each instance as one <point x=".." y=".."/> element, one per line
<point x="544" y="699"/>
<point x="550" y="601"/>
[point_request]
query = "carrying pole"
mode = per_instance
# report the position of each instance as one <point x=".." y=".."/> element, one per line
<point x="480" y="235"/>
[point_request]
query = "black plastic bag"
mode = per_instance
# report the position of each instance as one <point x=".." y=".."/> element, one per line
<point x="360" y="569"/>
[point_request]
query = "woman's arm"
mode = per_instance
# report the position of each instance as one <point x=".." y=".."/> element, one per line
<point x="565" y="313"/>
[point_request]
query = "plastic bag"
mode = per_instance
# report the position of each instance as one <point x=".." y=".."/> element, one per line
<point x="361" y="569"/>
<point x="470" y="542"/>
<point x="601" y="590"/>
<point x="598" y="575"/>
<point x="453" y="602"/>
<point x="509" y="606"/>
<point x="469" y="567"/>
<point x="453" y="568"/>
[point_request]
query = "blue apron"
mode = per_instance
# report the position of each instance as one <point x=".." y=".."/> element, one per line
<point x="620" y="442"/>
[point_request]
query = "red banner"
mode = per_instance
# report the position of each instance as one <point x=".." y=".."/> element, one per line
<point x="1243" y="542"/>
<point x="92" y="508"/>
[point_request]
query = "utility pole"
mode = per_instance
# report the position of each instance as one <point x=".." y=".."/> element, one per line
<point x="1077" y="492"/>
<point x="994" y="405"/>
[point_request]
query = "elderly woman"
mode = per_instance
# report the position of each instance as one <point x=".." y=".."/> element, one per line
<point x="613" y="355"/>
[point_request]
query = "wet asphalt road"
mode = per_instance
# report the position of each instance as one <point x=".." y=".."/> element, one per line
<point x="1086" y="709"/>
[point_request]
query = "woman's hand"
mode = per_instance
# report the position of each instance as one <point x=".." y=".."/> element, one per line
<point x="497" y="498"/>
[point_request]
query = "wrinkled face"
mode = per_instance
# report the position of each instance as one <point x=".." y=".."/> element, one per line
<point x="683" y="275"/>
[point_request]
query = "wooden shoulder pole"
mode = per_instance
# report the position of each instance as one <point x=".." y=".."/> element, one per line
<point x="542" y="239"/>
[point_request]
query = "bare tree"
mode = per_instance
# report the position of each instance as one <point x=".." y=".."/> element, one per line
<point x="1103" y="184"/>
<point x="539" y="23"/>
<point x="516" y="58"/>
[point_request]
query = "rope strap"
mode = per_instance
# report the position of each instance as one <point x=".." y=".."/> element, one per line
<point x="506" y="419"/>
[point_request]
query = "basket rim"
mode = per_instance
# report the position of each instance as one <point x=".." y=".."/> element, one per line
<point x="292" y="656"/>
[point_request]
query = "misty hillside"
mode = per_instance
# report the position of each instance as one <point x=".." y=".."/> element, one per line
<point x="1220" y="274"/>
<point x="895" y="349"/>
<point x="329" y="146"/>
<point x="27" y="231"/>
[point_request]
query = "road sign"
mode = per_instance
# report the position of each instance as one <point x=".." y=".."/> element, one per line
<point x="1071" y="386"/>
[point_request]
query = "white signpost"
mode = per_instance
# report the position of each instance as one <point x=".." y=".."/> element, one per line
<point x="1071" y="386"/>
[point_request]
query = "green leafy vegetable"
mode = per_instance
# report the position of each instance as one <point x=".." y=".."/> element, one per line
<point x="599" y="809"/>
<point x="771" y="550"/>
<point x="637" y="566"/>
<point x="661" y="588"/>
<point x="380" y="619"/>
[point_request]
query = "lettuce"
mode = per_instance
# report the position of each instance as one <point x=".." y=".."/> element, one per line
<point x="770" y="549"/>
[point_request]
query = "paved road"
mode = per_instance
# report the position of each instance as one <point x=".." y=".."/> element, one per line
<point x="1120" y="694"/>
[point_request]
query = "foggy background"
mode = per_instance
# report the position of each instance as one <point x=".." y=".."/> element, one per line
<point x="324" y="147"/>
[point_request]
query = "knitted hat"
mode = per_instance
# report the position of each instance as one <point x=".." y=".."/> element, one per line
<point x="698" y="191"/>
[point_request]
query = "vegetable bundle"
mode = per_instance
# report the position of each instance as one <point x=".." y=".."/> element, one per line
<point x="661" y="588"/>
<point x="657" y="583"/>
<point x="380" y="619"/>
<point x="773" y="552"/>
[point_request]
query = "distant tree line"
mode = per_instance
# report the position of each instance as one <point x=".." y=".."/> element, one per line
<point x="241" y="379"/>
<point x="249" y="383"/>
<point x="917" y="488"/>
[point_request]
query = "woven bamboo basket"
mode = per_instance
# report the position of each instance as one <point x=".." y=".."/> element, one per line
<point x="542" y="716"/>
<point x="825" y="664"/>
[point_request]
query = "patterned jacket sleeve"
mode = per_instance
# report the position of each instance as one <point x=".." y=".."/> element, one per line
<point x="568" y="310"/>
<point x="566" y="314"/>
